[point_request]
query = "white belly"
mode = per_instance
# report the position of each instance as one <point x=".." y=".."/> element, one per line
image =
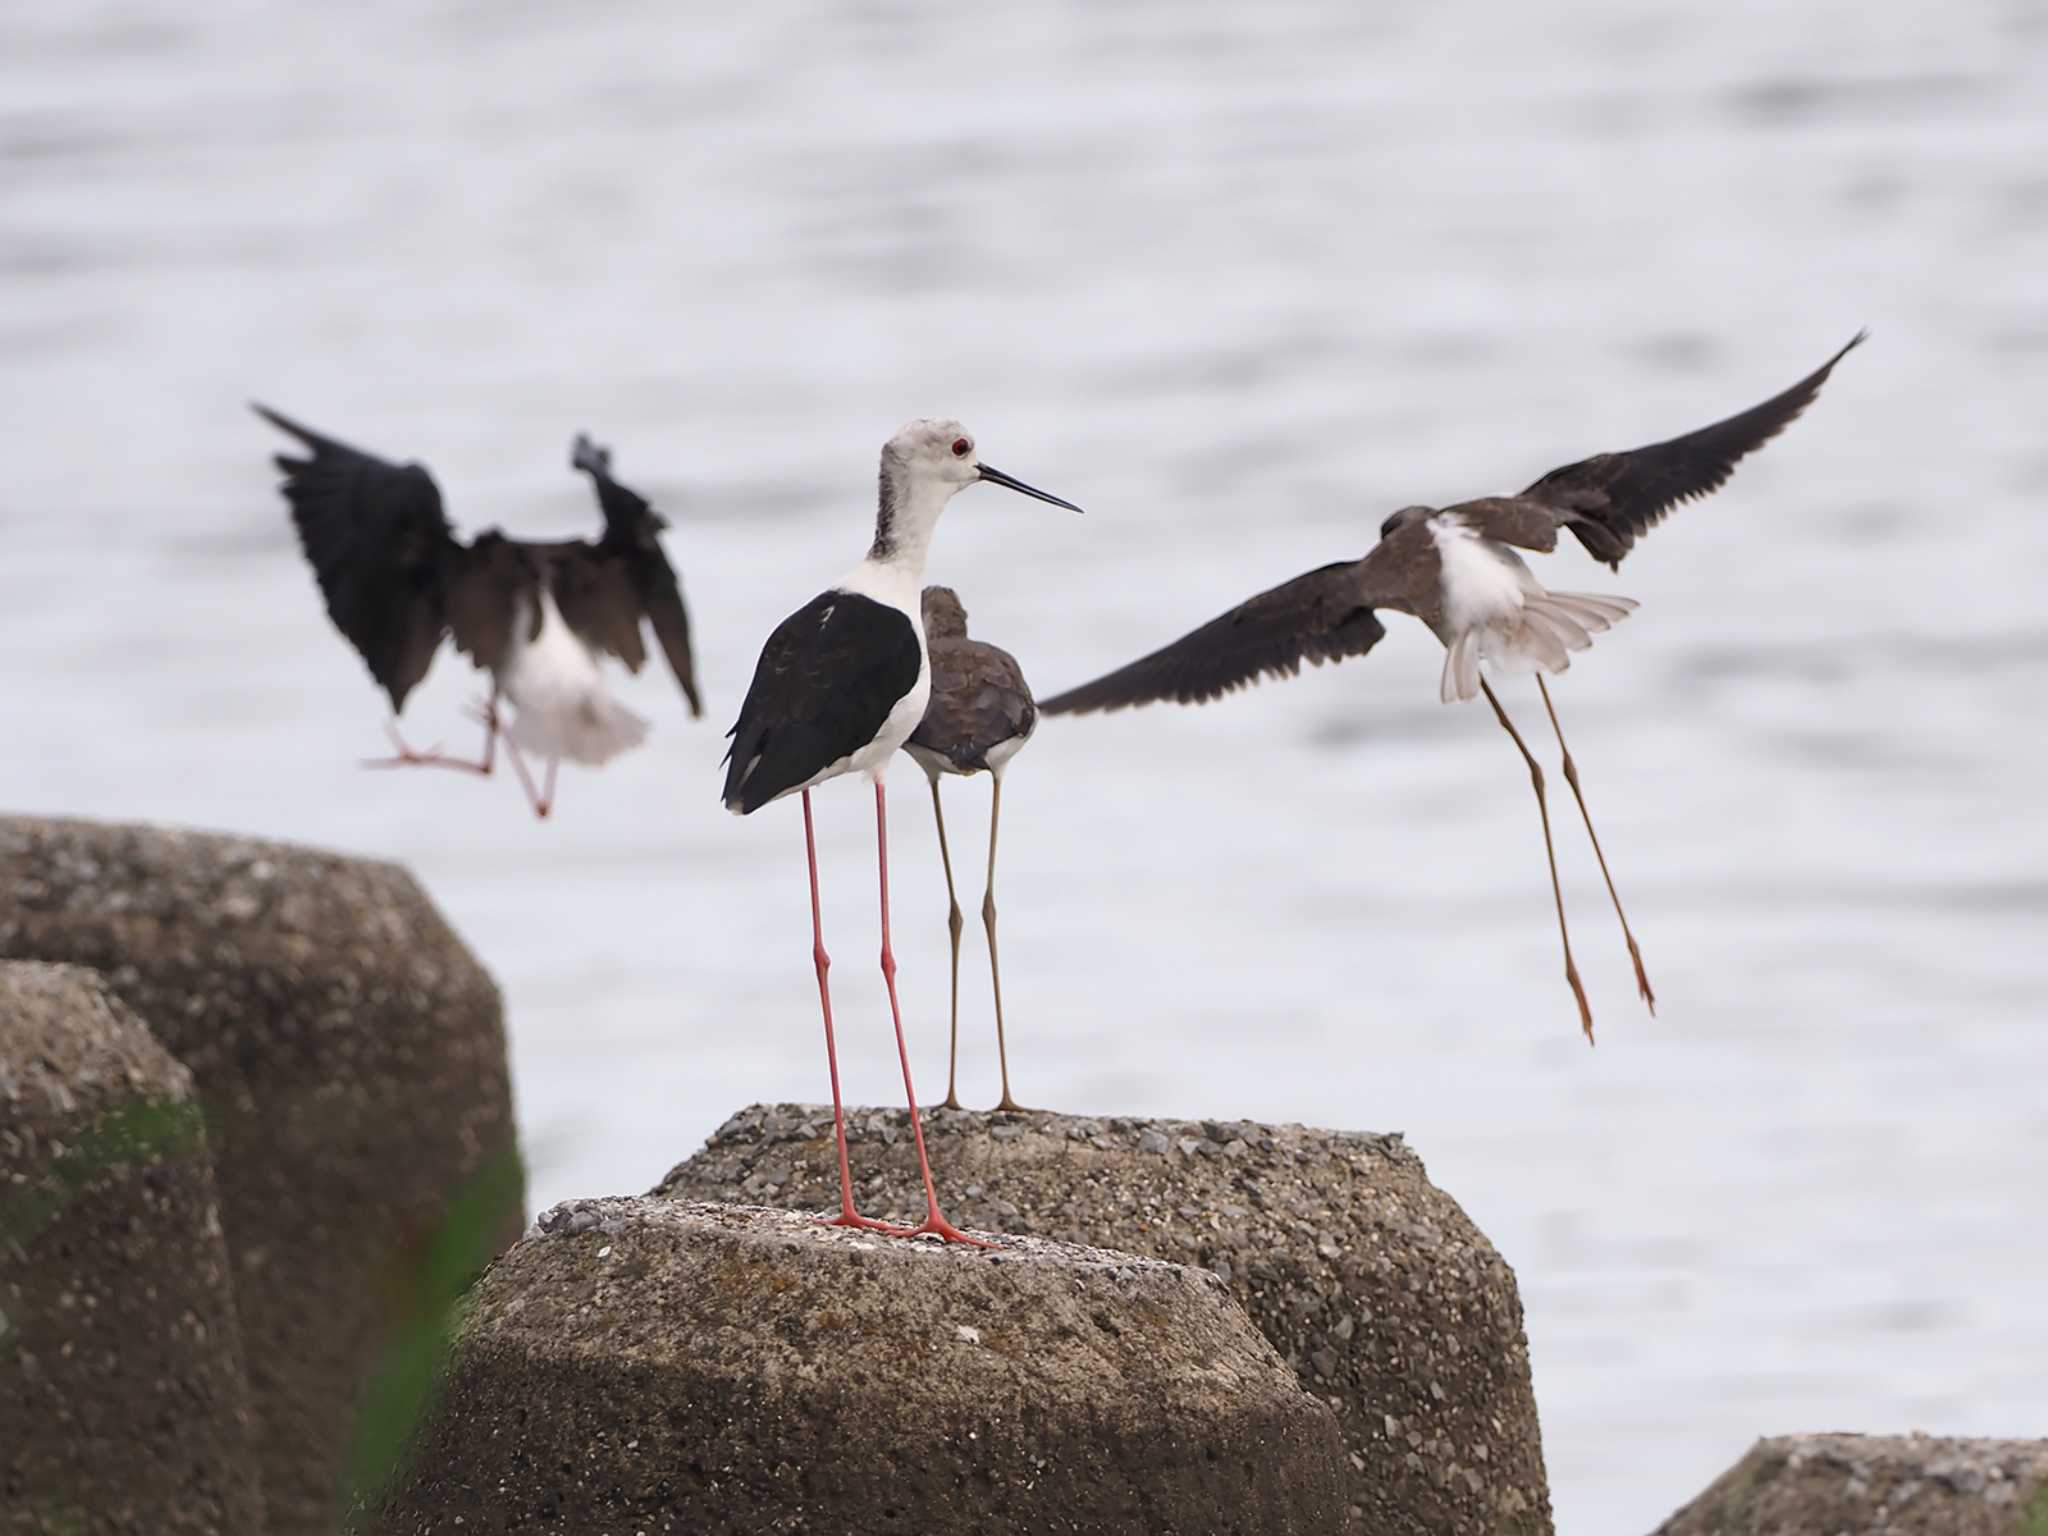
<point x="1484" y="583"/>
<point x="556" y="686"/>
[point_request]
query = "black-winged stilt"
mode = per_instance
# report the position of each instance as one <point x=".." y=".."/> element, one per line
<point x="980" y="715"/>
<point x="1455" y="568"/>
<point x="841" y="684"/>
<point x="537" y="616"/>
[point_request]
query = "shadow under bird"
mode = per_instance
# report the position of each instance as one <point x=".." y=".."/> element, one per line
<point x="840" y="686"/>
<point x="1456" y="569"/>
<point x="539" y="616"/>
<point x="979" y="717"/>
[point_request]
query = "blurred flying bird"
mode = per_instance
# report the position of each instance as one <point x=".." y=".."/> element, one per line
<point x="840" y="685"/>
<point x="538" y="616"/>
<point x="979" y="717"/>
<point x="1455" y="569"/>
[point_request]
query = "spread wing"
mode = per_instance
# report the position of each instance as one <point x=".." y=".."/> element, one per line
<point x="1612" y="498"/>
<point x="1323" y="616"/>
<point x="606" y="591"/>
<point x="380" y="547"/>
<point x="979" y="701"/>
<point x="827" y="679"/>
<point x="483" y="586"/>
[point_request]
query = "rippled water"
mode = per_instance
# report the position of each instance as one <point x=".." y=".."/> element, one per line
<point x="1240" y="280"/>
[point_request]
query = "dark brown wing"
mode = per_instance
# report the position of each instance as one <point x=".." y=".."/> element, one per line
<point x="630" y="573"/>
<point x="380" y="546"/>
<point x="979" y="701"/>
<point x="1323" y="616"/>
<point x="1512" y="520"/>
<point x="1612" y="498"/>
<point x="484" y="585"/>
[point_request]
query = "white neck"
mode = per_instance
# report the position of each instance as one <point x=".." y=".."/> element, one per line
<point x="894" y="568"/>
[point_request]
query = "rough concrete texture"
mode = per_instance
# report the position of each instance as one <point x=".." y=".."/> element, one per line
<point x="123" y="1406"/>
<point x="1864" y="1485"/>
<point x="661" y="1366"/>
<point x="350" y="1057"/>
<point x="1369" y="1281"/>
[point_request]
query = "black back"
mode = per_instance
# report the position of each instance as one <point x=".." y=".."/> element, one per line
<point x="823" y="688"/>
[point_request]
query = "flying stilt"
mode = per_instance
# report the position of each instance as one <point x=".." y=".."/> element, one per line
<point x="1455" y="569"/>
<point x="979" y="717"/>
<point x="539" y="617"/>
<point x="841" y="684"/>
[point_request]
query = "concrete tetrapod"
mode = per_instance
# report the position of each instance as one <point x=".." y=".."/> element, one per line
<point x="665" y="1366"/>
<point x="123" y="1405"/>
<point x="1369" y="1280"/>
<point x="349" y="1055"/>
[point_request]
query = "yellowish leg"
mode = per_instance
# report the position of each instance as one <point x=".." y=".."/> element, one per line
<point x="1571" y="777"/>
<point x="1571" y="971"/>
<point x="988" y="921"/>
<point x="954" y="923"/>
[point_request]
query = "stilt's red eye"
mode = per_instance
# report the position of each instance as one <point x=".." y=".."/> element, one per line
<point x="960" y="447"/>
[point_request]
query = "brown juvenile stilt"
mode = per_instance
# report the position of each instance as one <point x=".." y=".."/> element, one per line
<point x="1571" y="777"/>
<point x="1460" y="569"/>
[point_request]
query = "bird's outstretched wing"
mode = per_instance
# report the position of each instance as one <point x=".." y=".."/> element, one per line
<point x="1612" y="498"/>
<point x="1322" y="616"/>
<point x="827" y="679"/>
<point x="380" y="545"/>
<point x="605" y="589"/>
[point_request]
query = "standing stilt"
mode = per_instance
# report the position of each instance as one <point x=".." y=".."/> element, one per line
<point x="1571" y="777"/>
<point x="988" y="922"/>
<point x="1571" y="971"/>
<point x="933" y="1220"/>
<point x="954" y="923"/>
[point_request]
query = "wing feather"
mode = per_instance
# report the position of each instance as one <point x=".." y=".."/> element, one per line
<point x="1611" y="499"/>
<point x="380" y="547"/>
<point x="1322" y="616"/>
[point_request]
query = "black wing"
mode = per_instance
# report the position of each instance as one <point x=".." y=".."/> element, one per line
<point x="1320" y="617"/>
<point x="979" y="701"/>
<point x="825" y="684"/>
<point x="626" y="575"/>
<point x="380" y="545"/>
<point x="1612" y="498"/>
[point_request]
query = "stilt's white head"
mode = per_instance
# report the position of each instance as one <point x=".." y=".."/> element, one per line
<point x="923" y="466"/>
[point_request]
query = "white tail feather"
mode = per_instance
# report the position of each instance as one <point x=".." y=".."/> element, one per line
<point x="1541" y="636"/>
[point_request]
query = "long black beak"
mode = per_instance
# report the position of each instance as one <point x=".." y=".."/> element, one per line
<point x="997" y="477"/>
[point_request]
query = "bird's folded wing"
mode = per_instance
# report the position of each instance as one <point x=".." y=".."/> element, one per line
<point x="1612" y="498"/>
<point x="824" y="687"/>
<point x="378" y="541"/>
<point x="1322" y="616"/>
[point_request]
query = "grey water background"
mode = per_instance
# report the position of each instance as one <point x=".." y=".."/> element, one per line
<point x="1239" y="279"/>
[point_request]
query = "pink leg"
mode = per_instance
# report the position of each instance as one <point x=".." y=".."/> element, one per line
<point x="433" y="758"/>
<point x="542" y="802"/>
<point x="933" y="1221"/>
<point x="847" y="1217"/>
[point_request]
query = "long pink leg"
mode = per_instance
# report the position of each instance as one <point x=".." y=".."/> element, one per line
<point x="847" y="1217"/>
<point x="933" y="1220"/>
